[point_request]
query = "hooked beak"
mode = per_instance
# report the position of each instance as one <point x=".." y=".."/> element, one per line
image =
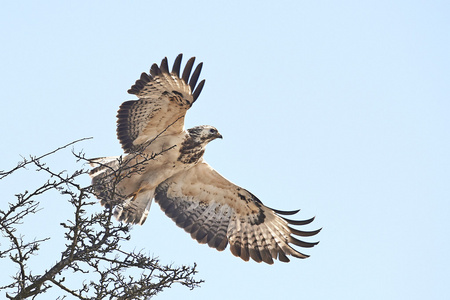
<point x="219" y="136"/>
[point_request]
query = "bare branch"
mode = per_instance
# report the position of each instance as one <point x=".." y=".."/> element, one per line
<point x="25" y="162"/>
<point x="94" y="244"/>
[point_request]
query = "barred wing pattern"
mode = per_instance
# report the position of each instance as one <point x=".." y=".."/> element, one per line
<point x="217" y="212"/>
<point x="164" y="98"/>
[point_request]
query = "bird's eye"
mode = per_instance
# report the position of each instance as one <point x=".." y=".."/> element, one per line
<point x="212" y="130"/>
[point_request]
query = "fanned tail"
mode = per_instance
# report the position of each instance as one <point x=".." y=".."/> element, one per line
<point x="109" y="183"/>
<point x="103" y="178"/>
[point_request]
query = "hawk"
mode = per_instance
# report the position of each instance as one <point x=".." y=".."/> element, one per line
<point x="164" y="161"/>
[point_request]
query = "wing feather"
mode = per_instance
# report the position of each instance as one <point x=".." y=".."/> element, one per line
<point x="164" y="99"/>
<point x="195" y="75"/>
<point x="198" y="90"/>
<point x="301" y="222"/>
<point x="188" y="69"/>
<point x="145" y="78"/>
<point x="177" y="65"/>
<point x="154" y="70"/>
<point x="216" y="212"/>
<point x="164" y="66"/>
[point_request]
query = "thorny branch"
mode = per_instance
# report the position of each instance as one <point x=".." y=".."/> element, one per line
<point x="94" y="241"/>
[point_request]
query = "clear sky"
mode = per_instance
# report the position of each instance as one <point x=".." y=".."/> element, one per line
<point x="340" y="108"/>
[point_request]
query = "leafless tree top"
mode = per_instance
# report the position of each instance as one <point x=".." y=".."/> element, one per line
<point x="93" y="243"/>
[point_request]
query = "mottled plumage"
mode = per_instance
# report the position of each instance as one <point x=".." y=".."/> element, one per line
<point x="165" y="162"/>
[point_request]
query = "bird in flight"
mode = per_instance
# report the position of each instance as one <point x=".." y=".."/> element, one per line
<point x="164" y="161"/>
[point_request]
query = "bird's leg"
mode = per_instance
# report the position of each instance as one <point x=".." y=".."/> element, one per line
<point x="135" y="194"/>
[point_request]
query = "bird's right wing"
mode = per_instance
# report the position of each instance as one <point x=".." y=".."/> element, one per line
<point x="217" y="212"/>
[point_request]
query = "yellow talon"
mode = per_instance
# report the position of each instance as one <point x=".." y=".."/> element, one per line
<point x="136" y="193"/>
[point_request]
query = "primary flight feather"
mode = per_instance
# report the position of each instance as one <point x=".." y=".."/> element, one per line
<point x="165" y="162"/>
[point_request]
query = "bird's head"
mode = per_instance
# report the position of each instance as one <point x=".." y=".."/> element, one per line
<point x="204" y="134"/>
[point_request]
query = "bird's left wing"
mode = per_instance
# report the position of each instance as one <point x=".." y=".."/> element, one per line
<point x="217" y="212"/>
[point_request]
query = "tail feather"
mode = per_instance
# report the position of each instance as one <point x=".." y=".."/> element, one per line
<point x="102" y="164"/>
<point x="113" y="189"/>
<point x="134" y="209"/>
<point x="103" y="179"/>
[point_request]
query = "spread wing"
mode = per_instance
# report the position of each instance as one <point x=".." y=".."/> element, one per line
<point x="217" y="212"/>
<point x="164" y="98"/>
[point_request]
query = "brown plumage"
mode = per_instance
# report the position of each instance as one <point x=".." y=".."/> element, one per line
<point x="165" y="162"/>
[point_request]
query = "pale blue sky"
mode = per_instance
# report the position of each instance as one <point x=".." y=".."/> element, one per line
<point x="340" y="108"/>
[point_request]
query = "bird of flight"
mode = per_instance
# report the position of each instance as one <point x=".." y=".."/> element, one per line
<point x="164" y="161"/>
